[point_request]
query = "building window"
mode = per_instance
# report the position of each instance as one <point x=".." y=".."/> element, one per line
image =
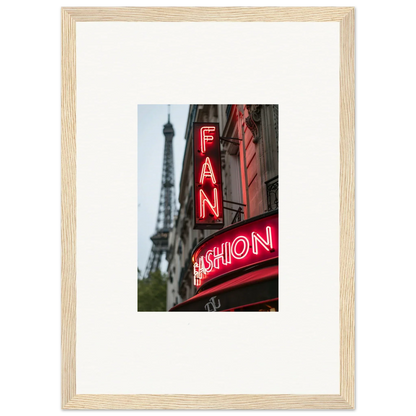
<point x="228" y="110"/>
<point x="234" y="190"/>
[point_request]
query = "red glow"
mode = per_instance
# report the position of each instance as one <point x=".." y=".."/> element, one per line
<point x="248" y="243"/>
<point x="205" y="137"/>
<point x="203" y="199"/>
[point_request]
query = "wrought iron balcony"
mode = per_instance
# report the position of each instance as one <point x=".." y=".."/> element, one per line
<point x="272" y="189"/>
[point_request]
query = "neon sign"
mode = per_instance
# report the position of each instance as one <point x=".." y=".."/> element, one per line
<point x="208" y="206"/>
<point x="236" y="247"/>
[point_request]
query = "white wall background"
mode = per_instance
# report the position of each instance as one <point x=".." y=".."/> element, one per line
<point x="303" y="338"/>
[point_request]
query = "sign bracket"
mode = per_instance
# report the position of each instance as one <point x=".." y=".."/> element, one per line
<point x="232" y="209"/>
<point x="231" y="140"/>
<point x="235" y="203"/>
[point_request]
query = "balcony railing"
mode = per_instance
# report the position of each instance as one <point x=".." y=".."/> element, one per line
<point x="272" y="189"/>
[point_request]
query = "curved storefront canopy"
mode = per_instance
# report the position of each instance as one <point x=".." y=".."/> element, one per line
<point x="256" y="287"/>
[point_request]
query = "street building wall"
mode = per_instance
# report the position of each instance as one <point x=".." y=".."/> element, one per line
<point x="250" y="178"/>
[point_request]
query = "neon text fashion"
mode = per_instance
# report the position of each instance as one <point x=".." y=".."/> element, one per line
<point x="233" y="252"/>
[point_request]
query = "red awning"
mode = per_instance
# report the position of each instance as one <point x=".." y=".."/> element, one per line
<point x="232" y="291"/>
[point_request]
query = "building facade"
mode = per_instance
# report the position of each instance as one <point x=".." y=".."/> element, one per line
<point x="250" y="181"/>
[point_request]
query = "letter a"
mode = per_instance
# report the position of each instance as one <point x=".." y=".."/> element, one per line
<point x="207" y="172"/>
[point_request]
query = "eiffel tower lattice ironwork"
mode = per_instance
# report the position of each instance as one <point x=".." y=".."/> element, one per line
<point x="167" y="204"/>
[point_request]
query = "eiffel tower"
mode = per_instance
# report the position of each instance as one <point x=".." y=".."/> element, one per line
<point x="167" y="204"/>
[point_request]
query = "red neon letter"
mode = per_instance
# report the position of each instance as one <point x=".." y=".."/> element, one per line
<point x="268" y="244"/>
<point x="196" y="274"/>
<point x="204" y="199"/>
<point x="217" y="256"/>
<point x="207" y="172"/>
<point x="206" y="137"/>
<point x="200" y="271"/>
<point x="208" y="254"/>
<point x="224" y="255"/>
<point x="227" y="254"/>
<point x="244" y="251"/>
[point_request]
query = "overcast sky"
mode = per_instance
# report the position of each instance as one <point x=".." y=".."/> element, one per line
<point x="151" y="140"/>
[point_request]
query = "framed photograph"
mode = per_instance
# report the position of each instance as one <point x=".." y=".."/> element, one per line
<point x="179" y="195"/>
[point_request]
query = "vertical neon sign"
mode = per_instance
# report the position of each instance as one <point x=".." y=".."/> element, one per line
<point x="208" y="206"/>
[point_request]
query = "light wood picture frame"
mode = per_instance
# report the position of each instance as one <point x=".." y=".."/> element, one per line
<point x="346" y="398"/>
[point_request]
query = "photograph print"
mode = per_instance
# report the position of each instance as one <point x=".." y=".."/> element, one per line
<point x="208" y="201"/>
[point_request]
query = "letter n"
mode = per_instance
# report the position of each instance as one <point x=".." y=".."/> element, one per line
<point x="203" y="200"/>
<point x="267" y="244"/>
